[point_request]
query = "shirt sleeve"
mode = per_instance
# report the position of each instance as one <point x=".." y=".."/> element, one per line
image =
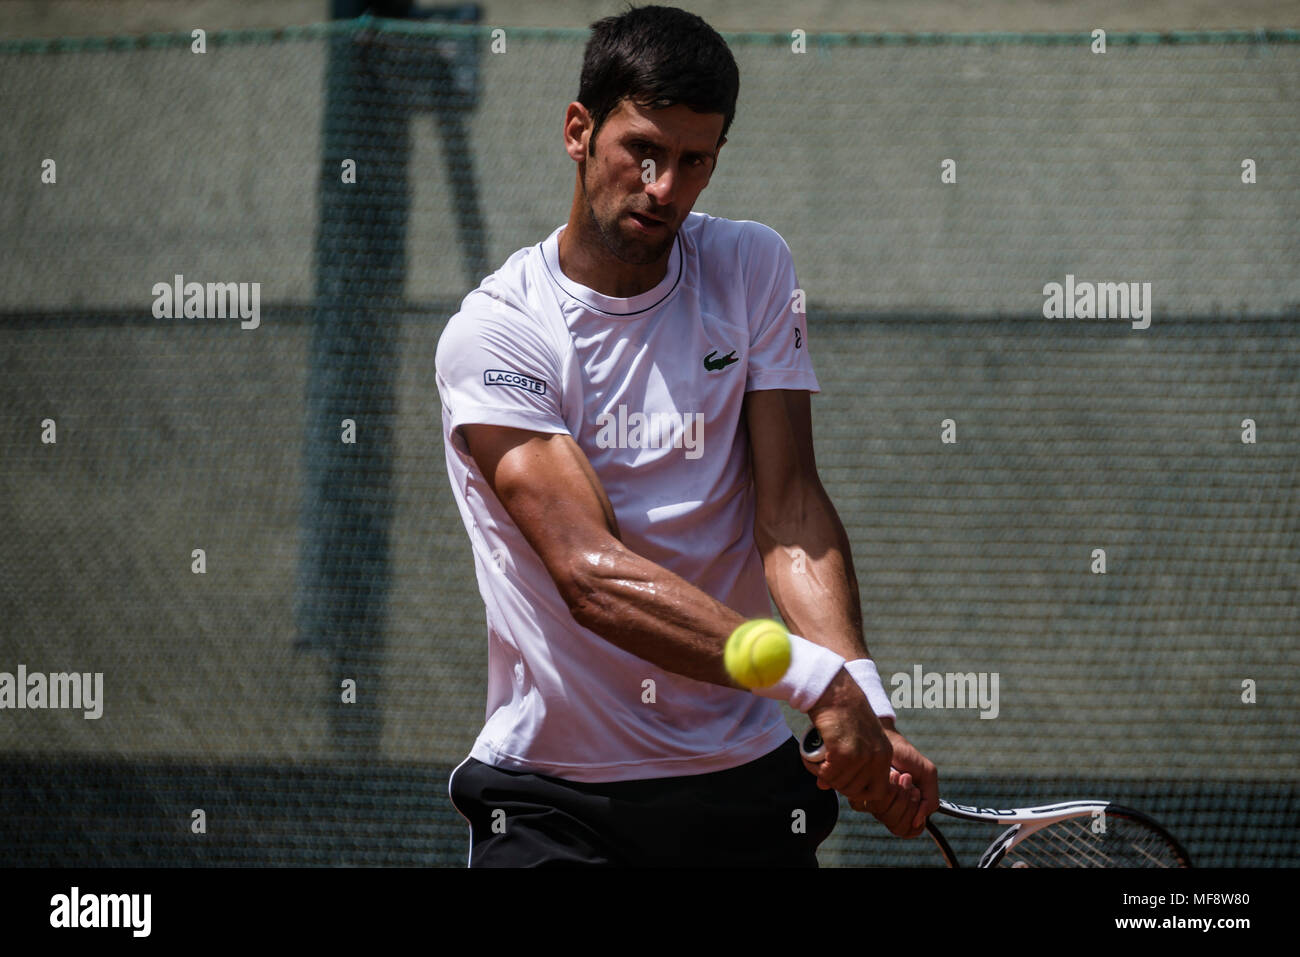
<point x="496" y="367"/>
<point x="778" y="342"/>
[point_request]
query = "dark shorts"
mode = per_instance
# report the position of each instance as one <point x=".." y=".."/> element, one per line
<point x="768" y="813"/>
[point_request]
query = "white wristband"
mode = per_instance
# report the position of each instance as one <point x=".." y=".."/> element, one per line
<point x="865" y="674"/>
<point x="812" y="669"/>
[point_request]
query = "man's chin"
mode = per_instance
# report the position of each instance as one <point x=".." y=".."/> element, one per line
<point x="639" y="250"/>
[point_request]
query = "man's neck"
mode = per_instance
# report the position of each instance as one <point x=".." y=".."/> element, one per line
<point x="585" y="259"/>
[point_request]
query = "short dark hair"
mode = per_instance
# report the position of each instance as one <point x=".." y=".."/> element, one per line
<point x="657" y="57"/>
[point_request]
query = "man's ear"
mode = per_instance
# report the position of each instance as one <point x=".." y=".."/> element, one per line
<point x="577" y="123"/>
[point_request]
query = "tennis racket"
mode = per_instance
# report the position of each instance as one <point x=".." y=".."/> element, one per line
<point x="1066" y="834"/>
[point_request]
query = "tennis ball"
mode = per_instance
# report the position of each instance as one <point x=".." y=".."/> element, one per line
<point x="757" y="653"/>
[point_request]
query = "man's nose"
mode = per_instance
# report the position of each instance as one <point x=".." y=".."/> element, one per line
<point x="664" y="185"/>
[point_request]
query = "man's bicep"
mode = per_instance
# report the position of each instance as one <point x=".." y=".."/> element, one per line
<point x="780" y="436"/>
<point x="547" y="485"/>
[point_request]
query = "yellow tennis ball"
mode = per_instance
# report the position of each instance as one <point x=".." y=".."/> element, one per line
<point x="757" y="653"/>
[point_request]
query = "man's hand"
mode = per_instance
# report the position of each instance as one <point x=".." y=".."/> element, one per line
<point x="915" y="772"/>
<point x="857" y="762"/>
<point x="871" y="763"/>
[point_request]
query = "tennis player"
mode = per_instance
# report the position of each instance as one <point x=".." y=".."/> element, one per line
<point x="626" y="415"/>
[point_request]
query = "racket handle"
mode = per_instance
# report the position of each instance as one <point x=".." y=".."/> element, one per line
<point x="812" y="747"/>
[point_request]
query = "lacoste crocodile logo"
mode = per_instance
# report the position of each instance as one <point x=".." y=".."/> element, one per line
<point x="714" y="365"/>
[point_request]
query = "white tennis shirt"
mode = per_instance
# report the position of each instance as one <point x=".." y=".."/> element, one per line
<point x="651" y="388"/>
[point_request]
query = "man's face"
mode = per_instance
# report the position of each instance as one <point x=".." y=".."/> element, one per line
<point x="675" y="149"/>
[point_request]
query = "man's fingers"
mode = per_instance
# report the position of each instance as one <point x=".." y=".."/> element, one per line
<point x="861" y="787"/>
<point x="897" y="808"/>
<point x="881" y="802"/>
<point x="924" y="780"/>
<point x="894" y="816"/>
<point x="915" y="813"/>
<point x="837" y="775"/>
<point x="924" y="776"/>
<point x="929" y="796"/>
<point x="914" y="801"/>
<point x="896" y="799"/>
<point x="906" y="825"/>
<point x="873" y="788"/>
<point x="857" y="776"/>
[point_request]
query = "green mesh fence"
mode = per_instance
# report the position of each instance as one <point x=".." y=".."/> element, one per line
<point x="327" y="561"/>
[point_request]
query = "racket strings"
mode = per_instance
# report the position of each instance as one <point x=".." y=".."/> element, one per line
<point x="1074" y="843"/>
<point x="1069" y="843"/>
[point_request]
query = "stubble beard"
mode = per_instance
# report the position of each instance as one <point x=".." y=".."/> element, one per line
<point x="617" y="243"/>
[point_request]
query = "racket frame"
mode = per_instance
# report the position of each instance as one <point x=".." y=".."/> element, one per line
<point x="1024" y="821"/>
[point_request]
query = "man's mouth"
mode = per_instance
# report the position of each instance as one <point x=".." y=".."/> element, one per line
<point x="647" y="222"/>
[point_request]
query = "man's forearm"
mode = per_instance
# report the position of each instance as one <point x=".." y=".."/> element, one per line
<point x="649" y="611"/>
<point x="809" y="569"/>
